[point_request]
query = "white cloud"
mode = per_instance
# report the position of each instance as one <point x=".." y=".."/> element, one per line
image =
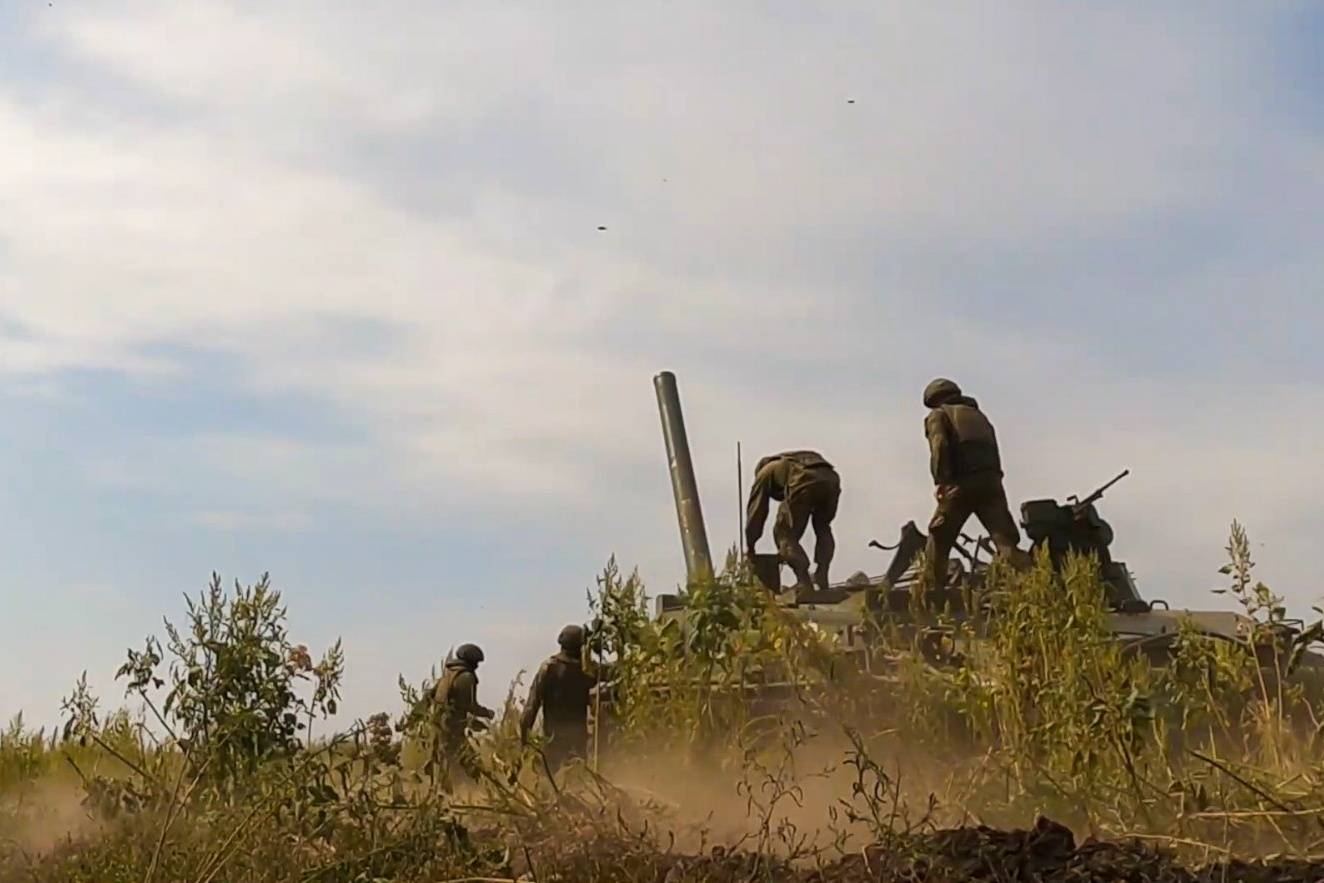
<point x="393" y="210"/>
<point x="234" y="520"/>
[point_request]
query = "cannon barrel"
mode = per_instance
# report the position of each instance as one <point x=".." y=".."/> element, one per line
<point x="693" y="535"/>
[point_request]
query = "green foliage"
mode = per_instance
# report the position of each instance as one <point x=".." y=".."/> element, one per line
<point x="683" y="682"/>
<point x="1255" y="598"/>
<point x="1035" y="707"/>
<point x="1056" y="696"/>
<point x="23" y="754"/>
<point x="234" y="696"/>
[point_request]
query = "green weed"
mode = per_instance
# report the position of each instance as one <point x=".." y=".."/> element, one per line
<point x="817" y="758"/>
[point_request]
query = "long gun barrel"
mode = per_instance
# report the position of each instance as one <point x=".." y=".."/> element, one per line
<point x="693" y="535"/>
<point x="1080" y="505"/>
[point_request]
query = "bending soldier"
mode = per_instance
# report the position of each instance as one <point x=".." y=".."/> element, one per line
<point x="457" y="699"/>
<point x="967" y="473"/>
<point x="809" y="490"/>
<point x="560" y="691"/>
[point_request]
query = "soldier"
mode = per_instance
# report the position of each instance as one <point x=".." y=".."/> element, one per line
<point x="457" y="700"/>
<point x="967" y="471"/>
<point x="560" y="691"/>
<point x="809" y="489"/>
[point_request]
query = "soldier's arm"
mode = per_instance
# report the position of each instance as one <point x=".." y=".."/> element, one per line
<point x="940" y="454"/>
<point x="467" y="685"/>
<point x="756" y="510"/>
<point x="533" y="705"/>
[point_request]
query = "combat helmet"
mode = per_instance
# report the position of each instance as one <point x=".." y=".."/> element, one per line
<point x="939" y="391"/>
<point x="469" y="654"/>
<point x="571" y="638"/>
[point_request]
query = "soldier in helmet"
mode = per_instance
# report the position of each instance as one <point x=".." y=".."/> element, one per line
<point x="809" y="490"/>
<point x="560" y="691"/>
<point x="457" y="700"/>
<point x="967" y="472"/>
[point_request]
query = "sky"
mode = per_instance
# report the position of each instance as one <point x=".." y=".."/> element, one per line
<point x="321" y="291"/>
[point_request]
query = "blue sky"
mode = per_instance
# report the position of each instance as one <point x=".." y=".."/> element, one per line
<point x="321" y="293"/>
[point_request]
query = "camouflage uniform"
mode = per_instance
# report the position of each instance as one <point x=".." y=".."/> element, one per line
<point x="809" y="490"/>
<point x="560" y="691"/>
<point x="967" y="471"/>
<point x="457" y="700"/>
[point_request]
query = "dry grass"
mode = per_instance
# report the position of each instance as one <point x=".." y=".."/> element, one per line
<point x="218" y="776"/>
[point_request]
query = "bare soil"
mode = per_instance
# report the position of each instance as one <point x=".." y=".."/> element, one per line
<point x="1047" y="852"/>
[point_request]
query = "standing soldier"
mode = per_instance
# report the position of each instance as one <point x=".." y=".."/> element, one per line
<point x="457" y="700"/>
<point x="560" y="691"/>
<point x="809" y="489"/>
<point x="967" y="471"/>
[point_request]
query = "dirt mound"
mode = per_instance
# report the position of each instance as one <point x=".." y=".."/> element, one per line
<point x="1047" y="853"/>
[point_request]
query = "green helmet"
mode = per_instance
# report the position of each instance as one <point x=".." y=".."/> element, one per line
<point x="939" y="391"/>
<point x="571" y="638"/>
<point x="470" y="654"/>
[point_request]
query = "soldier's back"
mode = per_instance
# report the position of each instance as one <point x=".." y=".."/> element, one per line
<point x="975" y="439"/>
<point x="806" y="459"/>
<point x="565" y="691"/>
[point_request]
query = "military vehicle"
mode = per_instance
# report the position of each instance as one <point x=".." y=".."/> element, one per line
<point x="867" y="614"/>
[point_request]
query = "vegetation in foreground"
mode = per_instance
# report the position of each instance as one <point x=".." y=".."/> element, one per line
<point x="227" y="769"/>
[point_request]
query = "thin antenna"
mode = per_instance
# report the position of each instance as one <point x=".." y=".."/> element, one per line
<point x="597" y="692"/>
<point x="740" y="505"/>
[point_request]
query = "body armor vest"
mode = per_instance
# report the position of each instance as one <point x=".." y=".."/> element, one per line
<point x="974" y="444"/>
<point x="565" y="694"/>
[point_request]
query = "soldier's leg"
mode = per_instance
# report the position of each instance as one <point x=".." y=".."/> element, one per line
<point x="994" y="513"/>
<point x="553" y="752"/>
<point x="787" y="530"/>
<point x="447" y="758"/>
<point x="825" y="544"/>
<point x="950" y="515"/>
<point x="467" y="756"/>
<point x="574" y="744"/>
<point x="562" y="747"/>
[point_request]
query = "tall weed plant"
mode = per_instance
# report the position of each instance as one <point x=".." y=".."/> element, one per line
<point x="1209" y="745"/>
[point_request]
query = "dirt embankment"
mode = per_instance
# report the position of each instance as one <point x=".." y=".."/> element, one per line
<point x="1046" y="853"/>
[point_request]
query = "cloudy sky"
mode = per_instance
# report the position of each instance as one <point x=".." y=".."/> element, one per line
<point x="320" y="290"/>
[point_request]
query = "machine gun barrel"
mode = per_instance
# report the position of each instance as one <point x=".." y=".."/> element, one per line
<point x="1080" y="505"/>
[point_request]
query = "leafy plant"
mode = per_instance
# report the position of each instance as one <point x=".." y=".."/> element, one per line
<point x="235" y="694"/>
<point x="852" y="771"/>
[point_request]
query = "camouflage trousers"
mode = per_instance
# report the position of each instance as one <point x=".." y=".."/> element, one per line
<point x="982" y="496"/>
<point x="457" y="760"/>
<point x="563" y="745"/>
<point x="812" y="499"/>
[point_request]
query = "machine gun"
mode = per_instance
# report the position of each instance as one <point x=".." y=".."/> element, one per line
<point x="1080" y="507"/>
<point x="1077" y="527"/>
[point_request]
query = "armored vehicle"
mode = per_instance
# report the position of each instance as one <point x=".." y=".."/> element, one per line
<point x="852" y="610"/>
